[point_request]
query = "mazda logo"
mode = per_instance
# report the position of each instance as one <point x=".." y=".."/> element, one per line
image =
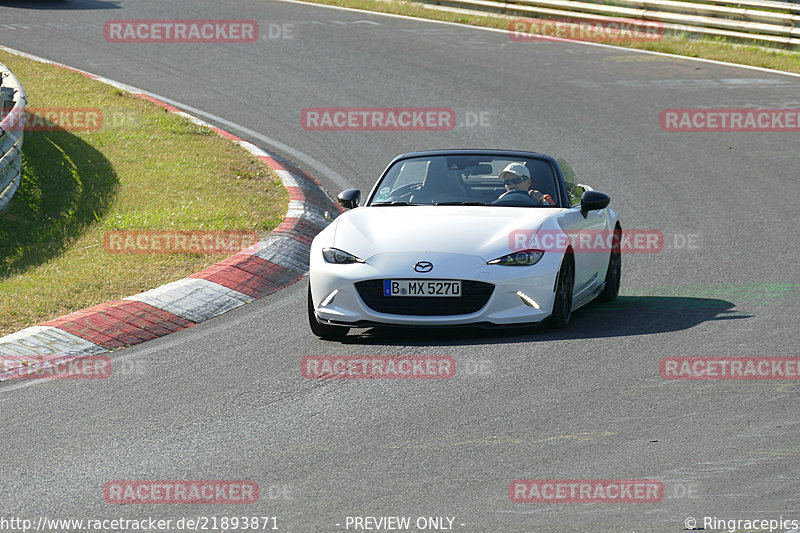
<point x="423" y="266"/>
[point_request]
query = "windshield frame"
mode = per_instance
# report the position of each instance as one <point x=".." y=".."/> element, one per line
<point x="560" y="196"/>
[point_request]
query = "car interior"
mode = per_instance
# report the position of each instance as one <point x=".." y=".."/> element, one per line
<point x="467" y="180"/>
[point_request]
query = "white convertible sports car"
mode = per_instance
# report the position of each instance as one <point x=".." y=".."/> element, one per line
<point x="464" y="237"/>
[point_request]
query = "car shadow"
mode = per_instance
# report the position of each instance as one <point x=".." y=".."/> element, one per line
<point x="60" y="4"/>
<point x="627" y="316"/>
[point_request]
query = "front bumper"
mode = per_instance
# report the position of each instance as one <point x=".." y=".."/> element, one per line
<point x="518" y="295"/>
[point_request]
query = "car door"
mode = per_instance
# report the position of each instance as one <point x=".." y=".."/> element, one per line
<point x="590" y="261"/>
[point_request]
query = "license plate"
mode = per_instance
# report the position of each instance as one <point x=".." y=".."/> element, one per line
<point x="419" y="287"/>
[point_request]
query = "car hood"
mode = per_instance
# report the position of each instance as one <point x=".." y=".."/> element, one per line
<point x="475" y="230"/>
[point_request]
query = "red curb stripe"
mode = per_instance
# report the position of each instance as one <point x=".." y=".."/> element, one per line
<point x="271" y="162"/>
<point x="253" y="274"/>
<point x="159" y="316"/>
<point x="297" y="229"/>
<point x="299" y="223"/>
<point x="92" y="333"/>
<point x="76" y="324"/>
<point x="92" y="76"/>
<point x="248" y="274"/>
<point x="225" y="134"/>
<point x="296" y="193"/>
<point x="287" y="225"/>
<point x="241" y="281"/>
<point x="152" y="314"/>
<point x="139" y="320"/>
<point x="251" y="264"/>
<point x="159" y="103"/>
<point x="107" y="332"/>
<point x="120" y="323"/>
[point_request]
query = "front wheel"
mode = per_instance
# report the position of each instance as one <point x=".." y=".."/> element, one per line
<point x="562" y="306"/>
<point x="323" y="331"/>
<point x="614" y="272"/>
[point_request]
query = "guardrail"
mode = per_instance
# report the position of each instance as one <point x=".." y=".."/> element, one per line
<point x="765" y="22"/>
<point x="11" y="126"/>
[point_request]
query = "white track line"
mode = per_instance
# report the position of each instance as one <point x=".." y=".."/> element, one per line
<point x="555" y="39"/>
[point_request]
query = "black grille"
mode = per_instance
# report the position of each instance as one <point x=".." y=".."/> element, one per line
<point x="474" y="295"/>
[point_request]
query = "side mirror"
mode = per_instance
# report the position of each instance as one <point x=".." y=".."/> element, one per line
<point x="349" y="198"/>
<point x="592" y="201"/>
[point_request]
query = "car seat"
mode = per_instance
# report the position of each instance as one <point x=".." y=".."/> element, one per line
<point x="441" y="185"/>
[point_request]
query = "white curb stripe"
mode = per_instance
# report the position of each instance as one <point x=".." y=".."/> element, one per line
<point x="286" y="252"/>
<point x="298" y="209"/>
<point x="288" y="179"/>
<point x="46" y="340"/>
<point x="194" y="299"/>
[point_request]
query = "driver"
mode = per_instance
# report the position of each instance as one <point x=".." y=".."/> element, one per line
<point x="517" y="177"/>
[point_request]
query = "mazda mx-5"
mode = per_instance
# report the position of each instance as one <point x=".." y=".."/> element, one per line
<point x="464" y="237"/>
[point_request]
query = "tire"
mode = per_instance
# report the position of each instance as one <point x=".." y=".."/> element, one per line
<point x="562" y="306"/>
<point x="614" y="272"/>
<point x="323" y="331"/>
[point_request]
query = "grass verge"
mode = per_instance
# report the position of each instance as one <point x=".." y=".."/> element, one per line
<point x="142" y="169"/>
<point x="683" y="45"/>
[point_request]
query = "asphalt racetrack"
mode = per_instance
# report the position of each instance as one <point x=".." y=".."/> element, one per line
<point x="225" y="400"/>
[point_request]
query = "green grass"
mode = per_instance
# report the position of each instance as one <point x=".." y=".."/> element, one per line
<point x="144" y="169"/>
<point x="716" y="49"/>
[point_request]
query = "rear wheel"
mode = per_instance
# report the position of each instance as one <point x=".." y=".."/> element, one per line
<point x="614" y="273"/>
<point x="324" y="331"/>
<point x="562" y="306"/>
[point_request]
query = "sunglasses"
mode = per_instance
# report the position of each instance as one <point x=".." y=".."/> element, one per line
<point x="514" y="181"/>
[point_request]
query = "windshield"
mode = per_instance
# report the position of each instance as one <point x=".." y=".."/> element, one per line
<point x="468" y="180"/>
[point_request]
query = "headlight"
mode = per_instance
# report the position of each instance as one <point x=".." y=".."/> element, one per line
<point x="521" y="258"/>
<point x="339" y="257"/>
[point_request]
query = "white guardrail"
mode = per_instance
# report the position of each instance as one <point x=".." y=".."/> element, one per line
<point x="12" y="107"/>
<point x="765" y="22"/>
